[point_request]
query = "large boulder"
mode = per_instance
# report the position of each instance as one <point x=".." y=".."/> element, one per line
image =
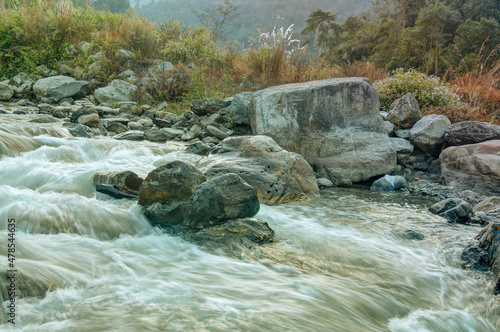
<point x="127" y="181"/>
<point x="278" y="176"/>
<point x="483" y="253"/>
<point x="75" y="90"/>
<point x="45" y="85"/>
<point x="428" y="132"/>
<point x="471" y="132"/>
<point x="334" y="124"/>
<point x="6" y="92"/>
<point x="174" y="181"/>
<point x="405" y="111"/>
<point x="252" y="230"/>
<point x="116" y="91"/>
<point x="220" y="199"/>
<point x="474" y="166"/>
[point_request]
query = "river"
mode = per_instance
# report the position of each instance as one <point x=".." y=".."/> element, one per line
<point x="351" y="260"/>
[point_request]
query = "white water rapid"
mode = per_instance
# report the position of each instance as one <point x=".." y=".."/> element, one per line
<point x="351" y="260"/>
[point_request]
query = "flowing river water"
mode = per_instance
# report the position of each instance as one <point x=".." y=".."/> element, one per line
<point x="351" y="260"/>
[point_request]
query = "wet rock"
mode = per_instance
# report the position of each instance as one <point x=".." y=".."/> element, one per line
<point x="131" y="135"/>
<point x="198" y="148"/>
<point x="208" y="106"/>
<point x="220" y="199"/>
<point x="78" y="130"/>
<point x="112" y="191"/>
<point x="127" y="181"/>
<point x="253" y="230"/>
<point x="334" y="124"/>
<point x="404" y="112"/>
<point x="411" y="234"/>
<point x="165" y="214"/>
<point x="453" y="209"/>
<point x="483" y="253"/>
<point x="428" y="132"/>
<point x="389" y="183"/>
<point x="6" y="92"/>
<point x="475" y="167"/>
<point x="471" y="132"/>
<point x="277" y="175"/>
<point x="174" y="181"/>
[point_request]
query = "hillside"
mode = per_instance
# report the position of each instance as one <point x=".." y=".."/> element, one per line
<point x="258" y="14"/>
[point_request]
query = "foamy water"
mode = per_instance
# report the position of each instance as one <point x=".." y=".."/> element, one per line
<point x="342" y="262"/>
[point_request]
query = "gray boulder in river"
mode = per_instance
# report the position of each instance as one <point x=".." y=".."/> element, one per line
<point x="219" y="200"/>
<point x="334" y="124"/>
<point x="278" y="176"/>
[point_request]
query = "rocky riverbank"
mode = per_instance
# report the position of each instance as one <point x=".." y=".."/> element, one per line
<point x="275" y="146"/>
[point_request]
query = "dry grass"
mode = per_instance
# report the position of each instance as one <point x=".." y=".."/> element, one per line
<point x="479" y="87"/>
<point x="365" y="69"/>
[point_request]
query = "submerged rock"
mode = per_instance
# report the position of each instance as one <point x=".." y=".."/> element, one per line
<point x="79" y="130"/>
<point x="483" y="253"/>
<point x="278" y="176"/>
<point x="127" y="181"/>
<point x="240" y="230"/>
<point x="167" y="213"/>
<point x="113" y="191"/>
<point x="223" y="198"/>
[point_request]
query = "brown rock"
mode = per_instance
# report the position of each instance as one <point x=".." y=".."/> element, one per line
<point x="175" y="181"/>
<point x="127" y="182"/>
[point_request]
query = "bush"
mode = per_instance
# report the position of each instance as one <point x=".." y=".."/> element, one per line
<point x="428" y="90"/>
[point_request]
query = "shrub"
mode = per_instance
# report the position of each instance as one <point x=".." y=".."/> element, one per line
<point x="430" y="91"/>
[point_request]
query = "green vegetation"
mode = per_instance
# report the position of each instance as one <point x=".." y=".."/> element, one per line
<point x="428" y="90"/>
<point x="456" y="41"/>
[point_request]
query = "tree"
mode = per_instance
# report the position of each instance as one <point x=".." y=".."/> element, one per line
<point x="115" y="6"/>
<point x="437" y="23"/>
<point x="219" y="18"/>
<point x="321" y="25"/>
